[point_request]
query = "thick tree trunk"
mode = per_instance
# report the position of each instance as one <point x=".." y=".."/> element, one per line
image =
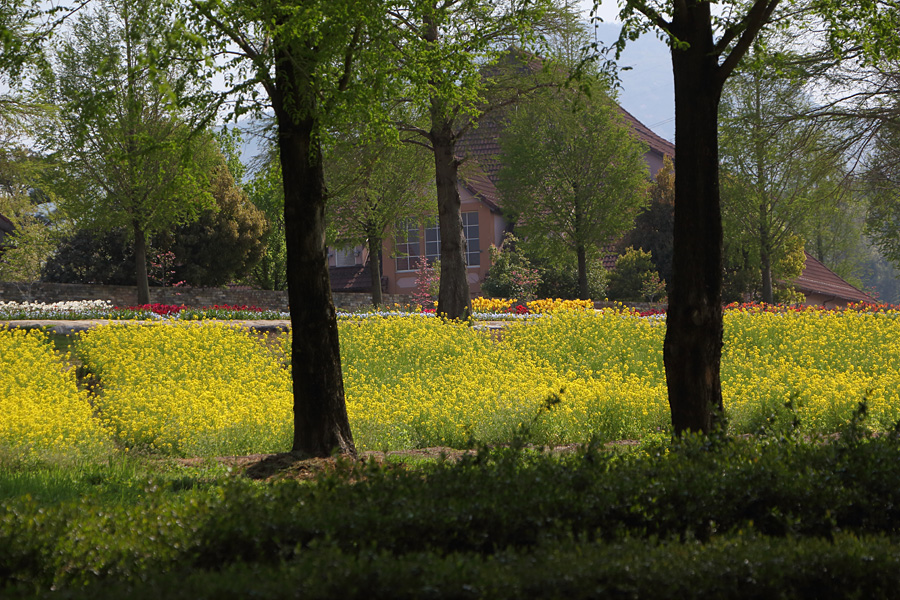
<point x="453" y="294"/>
<point x="321" y="426"/>
<point x="140" y="264"/>
<point x="693" y="343"/>
<point x="375" y="268"/>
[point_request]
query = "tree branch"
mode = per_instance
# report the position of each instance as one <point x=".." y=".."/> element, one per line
<point x="758" y="15"/>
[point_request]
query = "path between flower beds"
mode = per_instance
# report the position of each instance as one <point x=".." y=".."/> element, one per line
<point x="63" y="327"/>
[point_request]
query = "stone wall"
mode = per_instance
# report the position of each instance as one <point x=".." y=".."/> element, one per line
<point x="124" y="295"/>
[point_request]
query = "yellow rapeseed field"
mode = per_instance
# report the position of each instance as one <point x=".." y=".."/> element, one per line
<point x="204" y="389"/>
<point x="189" y="388"/>
<point x="41" y="409"/>
<point x="823" y="362"/>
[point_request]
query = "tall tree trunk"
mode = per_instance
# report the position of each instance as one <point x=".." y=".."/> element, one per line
<point x="583" y="292"/>
<point x="580" y="250"/>
<point x="453" y="293"/>
<point x="765" y="256"/>
<point x="375" y="269"/>
<point x="693" y="343"/>
<point x="321" y="426"/>
<point x="140" y="263"/>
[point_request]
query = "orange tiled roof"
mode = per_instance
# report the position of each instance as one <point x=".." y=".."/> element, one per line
<point x="656" y="144"/>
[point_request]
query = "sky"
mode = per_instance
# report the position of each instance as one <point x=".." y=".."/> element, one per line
<point x="647" y="90"/>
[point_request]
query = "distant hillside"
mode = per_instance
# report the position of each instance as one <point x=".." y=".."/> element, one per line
<point x="647" y="88"/>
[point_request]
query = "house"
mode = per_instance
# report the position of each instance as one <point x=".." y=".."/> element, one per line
<point x="482" y="217"/>
<point x="823" y="287"/>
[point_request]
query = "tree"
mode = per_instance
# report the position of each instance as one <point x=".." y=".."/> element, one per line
<point x="511" y="274"/>
<point x="374" y="184"/>
<point x="90" y="256"/>
<point x="705" y="50"/>
<point x="780" y="170"/>
<point x="24" y="250"/>
<point x="882" y="183"/>
<point x="652" y="230"/>
<point x="447" y="49"/>
<point x="225" y="242"/>
<point x="125" y="156"/>
<point x="573" y="175"/>
<point x="311" y="64"/>
<point x="267" y="194"/>
<point x="635" y="278"/>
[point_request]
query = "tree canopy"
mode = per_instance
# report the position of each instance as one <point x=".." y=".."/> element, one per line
<point x="126" y="157"/>
<point x="374" y="184"/>
<point x="573" y="175"/>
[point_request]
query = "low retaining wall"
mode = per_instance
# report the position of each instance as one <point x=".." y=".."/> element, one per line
<point x="126" y="295"/>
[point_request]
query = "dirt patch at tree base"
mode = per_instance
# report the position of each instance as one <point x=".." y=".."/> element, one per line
<point x="286" y="465"/>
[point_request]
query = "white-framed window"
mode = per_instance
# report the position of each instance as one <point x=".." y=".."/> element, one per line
<point x="432" y="241"/>
<point x="473" y="248"/>
<point x="407" y="247"/>
<point x="345" y="258"/>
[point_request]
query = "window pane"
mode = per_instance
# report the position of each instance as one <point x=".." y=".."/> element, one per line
<point x="473" y="247"/>
<point x="407" y="245"/>
<point x="345" y="258"/>
<point x="432" y="241"/>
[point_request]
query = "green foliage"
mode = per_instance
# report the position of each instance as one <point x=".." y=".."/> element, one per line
<point x="573" y="175"/>
<point x="266" y="193"/>
<point x="373" y="184"/>
<point x="511" y="274"/>
<point x="559" y="279"/>
<point x="654" y="227"/>
<point x="125" y="154"/>
<point x="882" y="177"/>
<point x="635" y="278"/>
<point x="90" y="256"/>
<point x="222" y="245"/>
<point x="699" y="518"/>
<point x="225" y="243"/>
<point x="780" y="175"/>
<point x="24" y="250"/>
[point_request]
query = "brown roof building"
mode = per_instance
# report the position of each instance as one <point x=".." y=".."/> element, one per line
<point x="824" y="287"/>
<point x="483" y="221"/>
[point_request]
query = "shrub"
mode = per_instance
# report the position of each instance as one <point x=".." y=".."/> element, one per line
<point x="511" y="274"/>
<point x="635" y="278"/>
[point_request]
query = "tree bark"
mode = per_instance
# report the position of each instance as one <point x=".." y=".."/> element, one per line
<point x="453" y="293"/>
<point x="140" y="264"/>
<point x="583" y="292"/>
<point x="580" y="250"/>
<point x="765" y="256"/>
<point x="693" y="343"/>
<point x="321" y="425"/>
<point x="375" y="269"/>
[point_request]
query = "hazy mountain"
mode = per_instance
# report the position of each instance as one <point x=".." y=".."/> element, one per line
<point x="647" y="90"/>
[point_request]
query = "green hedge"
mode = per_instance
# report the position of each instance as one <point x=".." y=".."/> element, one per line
<point x="703" y="518"/>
